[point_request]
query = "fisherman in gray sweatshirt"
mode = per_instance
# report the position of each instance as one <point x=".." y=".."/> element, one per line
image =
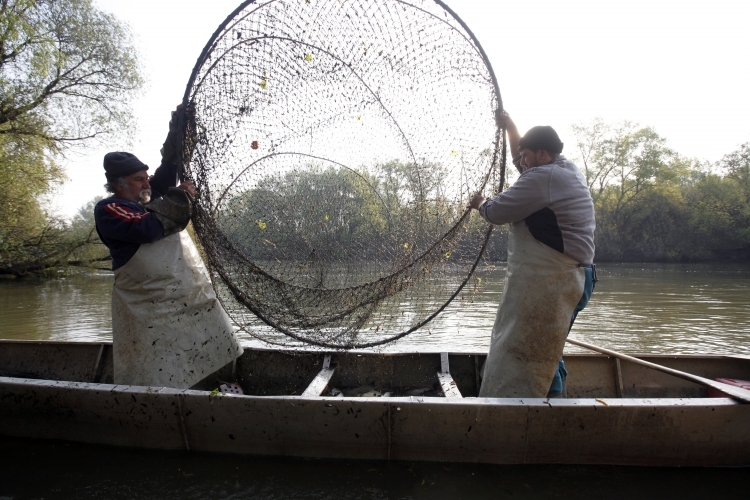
<point x="550" y="273"/>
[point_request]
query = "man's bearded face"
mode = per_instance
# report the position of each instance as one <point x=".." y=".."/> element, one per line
<point x="135" y="187"/>
<point x="144" y="196"/>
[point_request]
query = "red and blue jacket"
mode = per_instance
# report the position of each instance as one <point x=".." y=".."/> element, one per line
<point x="123" y="225"/>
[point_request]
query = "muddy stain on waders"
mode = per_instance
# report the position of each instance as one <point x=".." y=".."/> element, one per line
<point x="168" y="326"/>
<point x="542" y="289"/>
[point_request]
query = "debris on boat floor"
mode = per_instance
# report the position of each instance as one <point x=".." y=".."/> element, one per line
<point x="336" y="393"/>
<point x="424" y="391"/>
<point x="231" y="388"/>
<point x="368" y="391"/>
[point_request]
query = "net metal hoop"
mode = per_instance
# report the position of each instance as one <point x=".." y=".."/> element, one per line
<point x="209" y="206"/>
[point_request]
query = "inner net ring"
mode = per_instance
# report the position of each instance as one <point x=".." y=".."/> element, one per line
<point x="334" y="147"/>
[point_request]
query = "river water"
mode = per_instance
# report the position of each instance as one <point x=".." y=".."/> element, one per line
<point x="637" y="308"/>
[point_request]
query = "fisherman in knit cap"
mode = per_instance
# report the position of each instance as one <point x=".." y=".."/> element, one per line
<point x="550" y="274"/>
<point x="168" y="327"/>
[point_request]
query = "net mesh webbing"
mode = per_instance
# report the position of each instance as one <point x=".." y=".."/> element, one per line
<point x="335" y="145"/>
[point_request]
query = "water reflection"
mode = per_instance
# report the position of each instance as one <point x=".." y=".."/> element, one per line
<point x="75" y="307"/>
<point x="644" y="308"/>
<point x="697" y="308"/>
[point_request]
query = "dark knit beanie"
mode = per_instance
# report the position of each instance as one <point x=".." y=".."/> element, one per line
<point x="118" y="164"/>
<point x="541" y="137"/>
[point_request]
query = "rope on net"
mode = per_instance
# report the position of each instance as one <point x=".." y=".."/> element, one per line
<point x="334" y="146"/>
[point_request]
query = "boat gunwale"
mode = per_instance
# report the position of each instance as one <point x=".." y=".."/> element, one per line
<point x="609" y="402"/>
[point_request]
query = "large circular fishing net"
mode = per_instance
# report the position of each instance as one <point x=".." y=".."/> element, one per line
<point x="335" y="146"/>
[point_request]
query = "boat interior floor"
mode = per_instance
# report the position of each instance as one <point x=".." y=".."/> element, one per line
<point x="270" y="372"/>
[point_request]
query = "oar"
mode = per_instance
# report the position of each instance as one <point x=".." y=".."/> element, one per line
<point x="737" y="393"/>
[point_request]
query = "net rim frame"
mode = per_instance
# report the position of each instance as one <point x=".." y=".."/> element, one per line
<point x="500" y="137"/>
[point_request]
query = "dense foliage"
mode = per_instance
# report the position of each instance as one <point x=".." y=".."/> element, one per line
<point x="67" y="74"/>
<point x="654" y="205"/>
<point x="342" y="214"/>
<point x="651" y="204"/>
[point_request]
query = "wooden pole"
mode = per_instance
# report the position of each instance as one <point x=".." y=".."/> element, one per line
<point x="737" y="393"/>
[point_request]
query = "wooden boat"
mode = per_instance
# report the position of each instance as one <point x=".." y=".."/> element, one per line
<point x="616" y="412"/>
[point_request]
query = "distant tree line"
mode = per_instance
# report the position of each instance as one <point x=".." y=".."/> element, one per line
<point x="327" y="213"/>
<point x="653" y="205"/>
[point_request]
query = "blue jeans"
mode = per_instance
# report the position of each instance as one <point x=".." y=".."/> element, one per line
<point x="558" y="383"/>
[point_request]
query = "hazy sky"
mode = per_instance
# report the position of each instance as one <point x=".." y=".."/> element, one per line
<point x="682" y="67"/>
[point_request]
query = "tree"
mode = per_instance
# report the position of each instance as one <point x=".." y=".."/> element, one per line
<point x="737" y="166"/>
<point x="67" y="71"/>
<point x="719" y="218"/>
<point x="624" y="160"/>
<point x="394" y="211"/>
<point x="82" y="243"/>
<point x="27" y="234"/>
<point x="318" y="213"/>
<point x="67" y="74"/>
<point x="631" y="174"/>
<point x="589" y="145"/>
